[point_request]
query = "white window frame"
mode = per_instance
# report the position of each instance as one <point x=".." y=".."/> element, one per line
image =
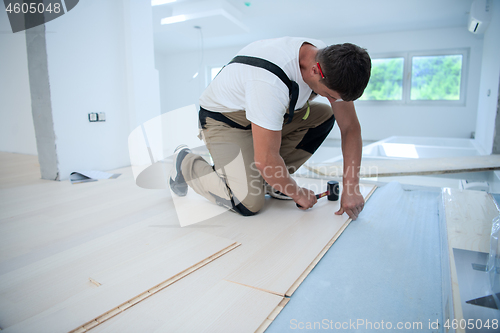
<point x="407" y="74"/>
<point x="463" y="81"/>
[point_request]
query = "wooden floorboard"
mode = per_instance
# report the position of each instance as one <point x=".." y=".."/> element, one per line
<point x="19" y="169"/>
<point x="325" y="249"/>
<point x="263" y="327"/>
<point x="278" y="264"/>
<point x="127" y="270"/>
<point x="468" y="217"/>
<point x="256" y="233"/>
<point x="54" y="236"/>
<point x="224" y="307"/>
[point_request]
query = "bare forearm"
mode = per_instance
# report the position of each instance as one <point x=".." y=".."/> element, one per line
<point x="351" y="202"/>
<point x="275" y="173"/>
<point x="352" y="147"/>
<point x="272" y="167"/>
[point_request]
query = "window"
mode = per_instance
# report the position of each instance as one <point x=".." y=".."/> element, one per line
<point x="386" y="80"/>
<point x="416" y="78"/>
<point x="436" y="77"/>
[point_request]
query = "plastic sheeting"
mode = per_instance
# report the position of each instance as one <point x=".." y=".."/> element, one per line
<point x="494" y="261"/>
<point x="469" y="222"/>
<point x="382" y="273"/>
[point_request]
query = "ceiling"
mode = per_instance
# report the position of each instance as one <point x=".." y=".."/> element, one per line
<point x="227" y="23"/>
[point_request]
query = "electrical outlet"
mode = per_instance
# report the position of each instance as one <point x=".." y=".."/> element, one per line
<point x="92" y="117"/>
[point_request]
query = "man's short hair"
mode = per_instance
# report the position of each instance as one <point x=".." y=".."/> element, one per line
<point x="346" y="68"/>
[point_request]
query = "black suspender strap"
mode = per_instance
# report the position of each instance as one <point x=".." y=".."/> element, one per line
<point x="204" y="114"/>
<point x="293" y="87"/>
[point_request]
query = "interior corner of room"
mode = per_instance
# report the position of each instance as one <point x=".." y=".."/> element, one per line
<point x="98" y="87"/>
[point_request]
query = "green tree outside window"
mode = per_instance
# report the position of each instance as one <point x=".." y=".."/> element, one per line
<point x="386" y="80"/>
<point x="436" y="77"/>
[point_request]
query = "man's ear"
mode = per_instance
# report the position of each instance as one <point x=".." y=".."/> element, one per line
<point x="315" y="70"/>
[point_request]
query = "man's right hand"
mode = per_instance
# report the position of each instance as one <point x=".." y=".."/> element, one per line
<point x="268" y="161"/>
<point x="305" y="198"/>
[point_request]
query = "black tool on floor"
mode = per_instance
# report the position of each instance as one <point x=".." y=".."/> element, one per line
<point x="332" y="192"/>
<point x="486" y="301"/>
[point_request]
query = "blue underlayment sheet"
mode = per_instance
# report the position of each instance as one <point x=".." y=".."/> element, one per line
<point x="382" y="274"/>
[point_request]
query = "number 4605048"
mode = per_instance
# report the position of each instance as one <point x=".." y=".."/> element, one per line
<point x="33" y="8"/>
<point x="471" y="324"/>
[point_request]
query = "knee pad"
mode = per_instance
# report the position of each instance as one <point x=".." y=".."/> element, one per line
<point x="315" y="136"/>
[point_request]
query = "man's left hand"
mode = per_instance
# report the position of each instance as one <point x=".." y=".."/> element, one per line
<point x="351" y="202"/>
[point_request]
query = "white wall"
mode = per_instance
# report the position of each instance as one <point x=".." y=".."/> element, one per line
<point x="95" y="60"/>
<point x="17" y="133"/>
<point x="177" y="86"/>
<point x="142" y="77"/>
<point x="378" y="122"/>
<point x="490" y="76"/>
<point x="101" y="60"/>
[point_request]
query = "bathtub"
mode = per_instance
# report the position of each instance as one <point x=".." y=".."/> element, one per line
<point x="406" y="147"/>
<point x="420" y="147"/>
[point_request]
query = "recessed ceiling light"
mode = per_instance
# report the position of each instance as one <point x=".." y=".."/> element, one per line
<point x="160" y="2"/>
<point x="173" y="19"/>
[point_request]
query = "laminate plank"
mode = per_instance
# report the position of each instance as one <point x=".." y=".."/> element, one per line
<point x="45" y="244"/>
<point x="156" y="266"/>
<point x="21" y="235"/>
<point x="45" y="283"/>
<point x="19" y="169"/>
<point x="62" y="212"/>
<point x="204" y="209"/>
<point x="469" y="216"/>
<point x="224" y="307"/>
<point x="281" y="262"/>
<point x="303" y="276"/>
<point x="408" y="167"/>
<point x="45" y="196"/>
<point x="149" y="269"/>
<point x="253" y="233"/>
<point x="131" y="208"/>
<point x="263" y="327"/>
<point x="127" y="305"/>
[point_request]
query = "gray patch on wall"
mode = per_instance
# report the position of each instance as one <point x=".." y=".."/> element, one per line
<point x="496" y="139"/>
<point x="41" y="105"/>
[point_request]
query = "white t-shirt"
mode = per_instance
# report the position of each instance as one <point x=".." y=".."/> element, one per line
<point x="259" y="92"/>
